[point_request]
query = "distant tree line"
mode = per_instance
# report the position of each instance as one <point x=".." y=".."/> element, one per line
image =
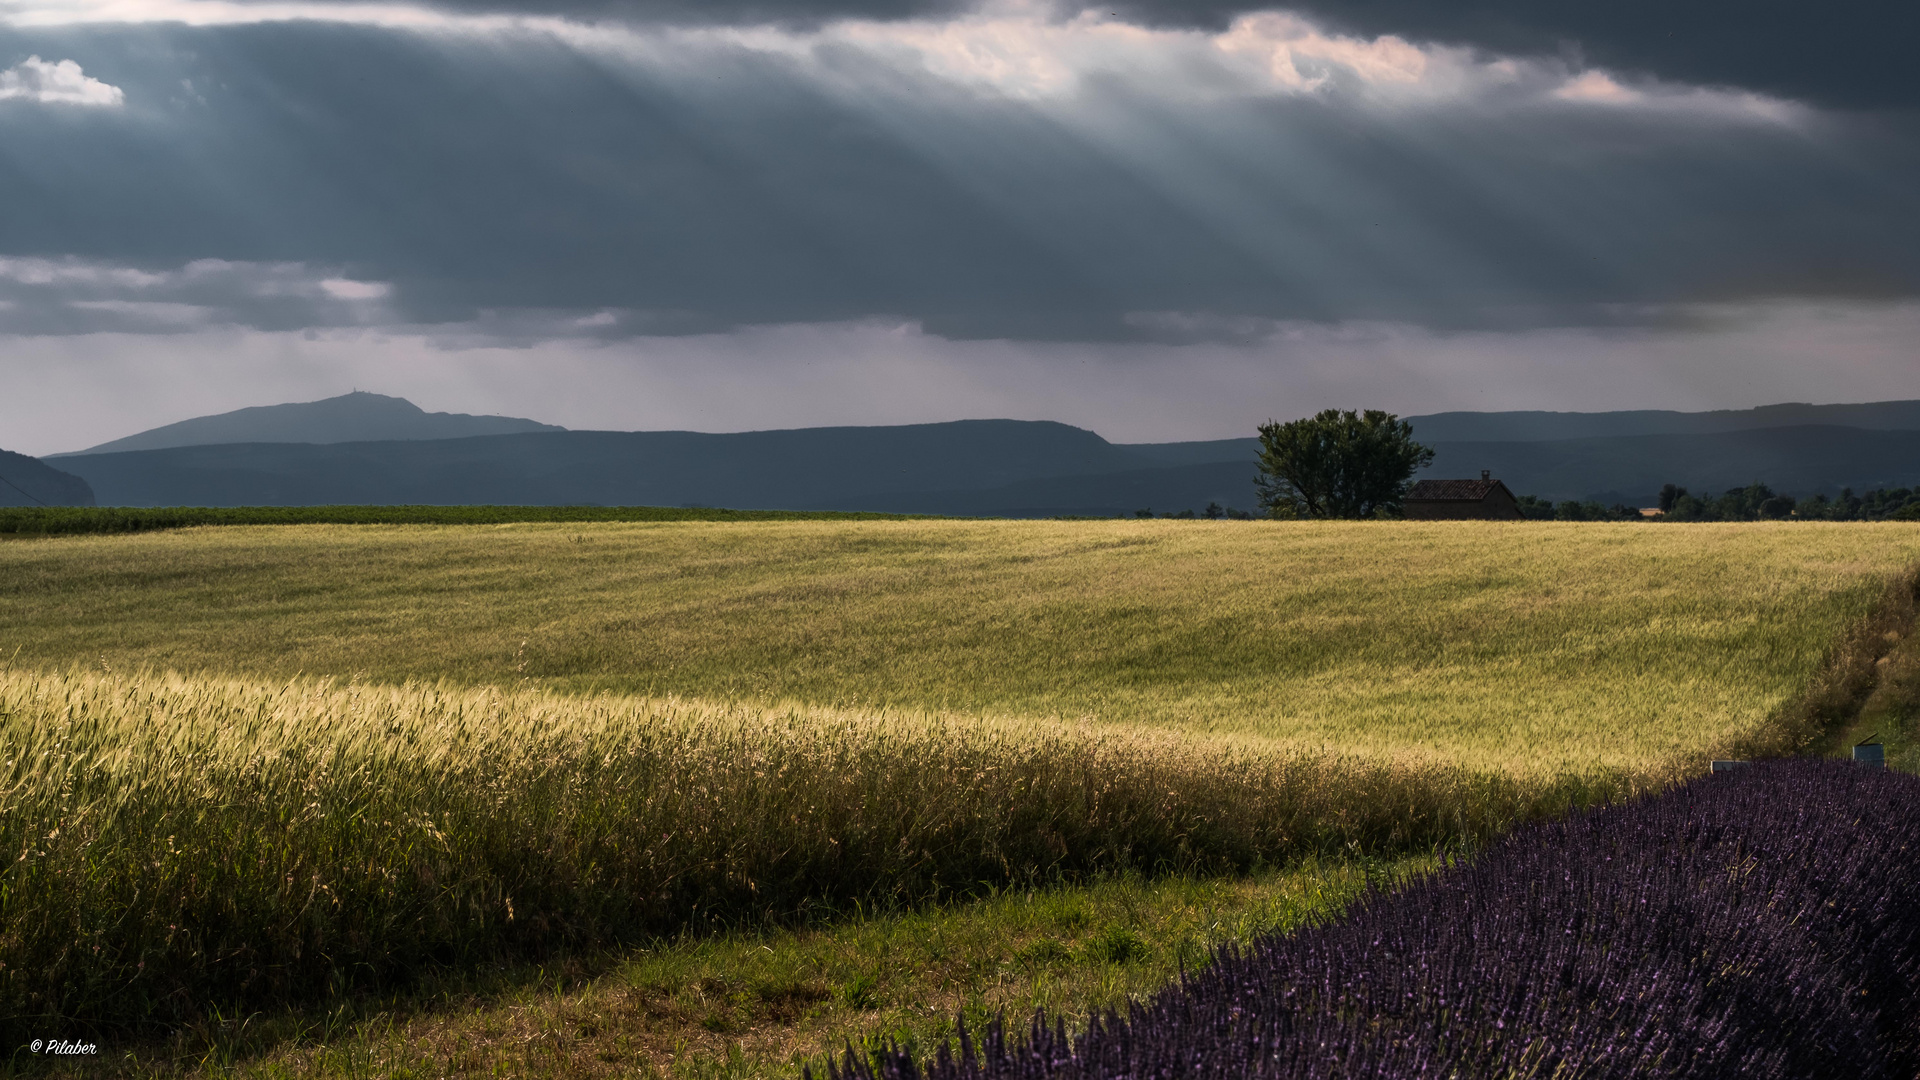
<point x="1758" y="502"/>
<point x="1536" y="509"/>
<point x="1213" y="512"/>
<point x="71" y="520"/>
<point x="1755" y="502"/>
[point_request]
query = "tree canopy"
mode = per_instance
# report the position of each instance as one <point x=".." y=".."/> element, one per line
<point x="1338" y="464"/>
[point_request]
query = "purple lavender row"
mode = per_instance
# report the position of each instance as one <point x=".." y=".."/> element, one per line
<point x="1759" y="923"/>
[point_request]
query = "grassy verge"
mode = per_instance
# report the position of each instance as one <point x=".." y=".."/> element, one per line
<point x="82" y="520"/>
<point x="1891" y="710"/>
<point x="765" y="1004"/>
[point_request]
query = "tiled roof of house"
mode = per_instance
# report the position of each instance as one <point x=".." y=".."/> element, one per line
<point x="1452" y="490"/>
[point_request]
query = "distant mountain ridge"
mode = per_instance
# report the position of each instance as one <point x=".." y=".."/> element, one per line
<point x="982" y="467"/>
<point x="362" y="416"/>
<point x="1006" y="467"/>
<point x="1528" y="427"/>
<point x="356" y="417"/>
<point x="1553" y="426"/>
<point x="28" y="481"/>
<point x="806" y="468"/>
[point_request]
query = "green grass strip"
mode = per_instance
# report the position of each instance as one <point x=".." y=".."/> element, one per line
<point x="70" y="520"/>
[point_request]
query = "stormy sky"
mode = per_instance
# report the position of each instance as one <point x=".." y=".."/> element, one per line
<point x="1159" y="220"/>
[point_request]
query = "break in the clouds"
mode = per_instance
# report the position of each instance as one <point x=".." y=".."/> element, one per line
<point x="69" y="295"/>
<point x="56" y="83"/>
<point x="601" y="179"/>
<point x="1849" y="53"/>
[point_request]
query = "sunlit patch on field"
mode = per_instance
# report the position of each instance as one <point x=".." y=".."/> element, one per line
<point x="187" y="842"/>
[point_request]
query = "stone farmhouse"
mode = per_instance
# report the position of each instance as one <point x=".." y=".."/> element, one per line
<point x="1485" y="499"/>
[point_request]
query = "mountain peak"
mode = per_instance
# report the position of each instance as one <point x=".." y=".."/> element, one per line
<point x="360" y="416"/>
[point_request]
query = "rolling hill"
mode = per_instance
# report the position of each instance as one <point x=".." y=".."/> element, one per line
<point x="27" y="481"/>
<point x="356" y="417"/>
<point x="1555" y="426"/>
<point x="811" y="468"/>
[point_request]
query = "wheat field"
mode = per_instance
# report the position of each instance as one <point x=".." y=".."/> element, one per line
<point x="1522" y="647"/>
<point x="252" y="765"/>
<point x="187" y="840"/>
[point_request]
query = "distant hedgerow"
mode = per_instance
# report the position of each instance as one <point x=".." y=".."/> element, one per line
<point x="1763" y="923"/>
<point x="69" y="520"/>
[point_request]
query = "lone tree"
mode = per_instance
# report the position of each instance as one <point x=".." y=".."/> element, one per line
<point x="1338" y="464"/>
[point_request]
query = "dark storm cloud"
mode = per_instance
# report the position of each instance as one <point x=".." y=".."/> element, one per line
<point x="481" y="175"/>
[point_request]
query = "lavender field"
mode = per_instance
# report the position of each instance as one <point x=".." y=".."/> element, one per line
<point x="1762" y="923"/>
